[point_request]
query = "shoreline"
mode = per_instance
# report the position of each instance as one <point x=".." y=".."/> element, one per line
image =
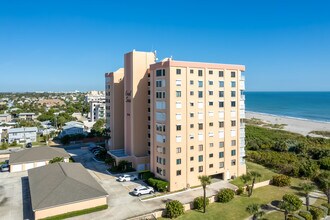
<point x="296" y="125"/>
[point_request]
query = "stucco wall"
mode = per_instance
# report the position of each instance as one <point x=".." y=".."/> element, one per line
<point x="70" y="208"/>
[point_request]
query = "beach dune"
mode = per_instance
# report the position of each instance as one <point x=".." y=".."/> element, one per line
<point x="296" y="125"/>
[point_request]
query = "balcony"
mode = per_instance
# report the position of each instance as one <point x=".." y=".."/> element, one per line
<point x="242" y="85"/>
<point x="243" y="97"/>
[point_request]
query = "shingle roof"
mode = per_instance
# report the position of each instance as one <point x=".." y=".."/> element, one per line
<point x="35" y="154"/>
<point x="62" y="183"/>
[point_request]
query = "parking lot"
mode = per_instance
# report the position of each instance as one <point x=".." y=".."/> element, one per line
<point x="15" y="197"/>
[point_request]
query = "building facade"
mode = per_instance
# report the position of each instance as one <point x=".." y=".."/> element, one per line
<point x="5" y="118"/>
<point x="197" y="128"/>
<point x="181" y="119"/>
<point x="97" y="110"/>
<point x="114" y="87"/>
<point x="25" y="134"/>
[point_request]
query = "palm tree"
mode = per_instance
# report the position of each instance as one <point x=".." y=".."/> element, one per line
<point x="254" y="176"/>
<point x="205" y="180"/>
<point x="254" y="209"/>
<point x="245" y="179"/>
<point x="307" y="188"/>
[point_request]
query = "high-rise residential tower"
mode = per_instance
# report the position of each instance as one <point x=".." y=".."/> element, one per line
<point x="197" y="128"/>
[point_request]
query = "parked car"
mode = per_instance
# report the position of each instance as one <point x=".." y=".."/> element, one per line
<point x="28" y="145"/>
<point x="142" y="190"/>
<point x="4" y="167"/>
<point x="127" y="177"/>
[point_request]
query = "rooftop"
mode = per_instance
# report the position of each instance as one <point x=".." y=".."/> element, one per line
<point x="24" y="129"/>
<point x="62" y="183"/>
<point x="37" y="154"/>
<point x="118" y="153"/>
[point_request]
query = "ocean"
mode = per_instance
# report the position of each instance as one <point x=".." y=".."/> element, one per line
<point x="305" y="105"/>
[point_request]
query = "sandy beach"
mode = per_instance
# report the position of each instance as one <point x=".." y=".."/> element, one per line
<point x="295" y="125"/>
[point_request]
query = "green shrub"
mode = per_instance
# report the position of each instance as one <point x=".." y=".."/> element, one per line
<point x="225" y="195"/>
<point x="327" y="206"/>
<point x="306" y="215"/>
<point x="316" y="213"/>
<point x="325" y="163"/>
<point x="158" y="184"/>
<point x="174" y="209"/>
<point x="240" y="191"/>
<point x="144" y="175"/>
<point x="199" y="202"/>
<point x="281" y="180"/>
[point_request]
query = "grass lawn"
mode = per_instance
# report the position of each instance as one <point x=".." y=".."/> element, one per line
<point x="235" y="209"/>
<point x="266" y="174"/>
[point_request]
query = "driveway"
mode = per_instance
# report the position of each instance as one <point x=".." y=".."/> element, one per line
<point x="15" y="200"/>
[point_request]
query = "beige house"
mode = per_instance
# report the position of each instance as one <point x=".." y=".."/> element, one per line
<point x="35" y="157"/>
<point x="181" y="119"/>
<point x="5" y="118"/>
<point x="63" y="187"/>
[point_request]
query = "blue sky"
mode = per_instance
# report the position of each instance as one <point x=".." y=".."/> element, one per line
<point x="69" y="45"/>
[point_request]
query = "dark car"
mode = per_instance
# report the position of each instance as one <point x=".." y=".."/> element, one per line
<point x="4" y="167"/>
<point x="28" y="145"/>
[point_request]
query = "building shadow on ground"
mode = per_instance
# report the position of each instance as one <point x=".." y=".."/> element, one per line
<point x="26" y="198"/>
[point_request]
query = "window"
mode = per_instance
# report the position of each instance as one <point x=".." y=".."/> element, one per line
<point x="233" y="74"/>
<point x="178" y="139"/>
<point x="191" y="71"/>
<point x="191" y="147"/>
<point x="178" y="71"/>
<point x="210" y="72"/>
<point x="191" y="82"/>
<point x="233" y="133"/>
<point x="233" y="104"/>
<point x="221" y="94"/>
<point x="210" y="155"/>
<point x="178" y="93"/>
<point x="233" y="123"/>
<point x="221" y="104"/>
<point x="178" y="82"/>
<point x="191" y="158"/>
<point x="221" y="84"/>
<point x="191" y="104"/>
<point x="221" y="124"/>
<point x="178" y="172"/>
<point x="200" y="94"/>
<point x="210" y="103"/>
<point x="178" y="105"/>
<point x="211" y="165"/>
<point x="200" y="136"/>
<point x="221" y="164"/>
<point x="211" y="134"/>
<point x="160" y="72"/>
<point x="220" y="73"/>
<point x="211" y="144"/>
<point x="221" y="114"/>
<point x="191" y="169"/>
<point x="160" y="138"/>
<point x="191" y="125"/>
<point x="200" y="147"/>
<point x="233" y="93"/>
<point x="211" y="114"/>
<point x="233" y="142"/>
<point x="191" y="114"/>
<point x="200" y="83"/>
<point x="200" y="72"/>
<point x="191" y="92"/>
<point x="233" y="162"/>
<point x="160" y="83"/>
<point x="200" y="169"/>
<point x="178" y="116"/>
<point x="221" y="144"/>
<point x="233" y="84"/>
<point x="221" y="134"/>
<point x="178" y="127"/>
<point x="233" y="152"/>
<point x="160" y="116"/>
<point x="178" y="161"/>
<point x="210" y="92"/>
<point x="211" y="124"/>
<point x="221" y="154"/>
<point x="160" y="105"/>
<point x="200" y="126"/>
<point x="200" y="104"/>
<point x="191" y="136"/>
<point x="200" y="115"/>
<point x="210" y="82"/>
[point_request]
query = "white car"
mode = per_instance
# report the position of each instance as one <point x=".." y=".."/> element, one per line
<point x="127" y="177"/>
<point x="142" y="190"/>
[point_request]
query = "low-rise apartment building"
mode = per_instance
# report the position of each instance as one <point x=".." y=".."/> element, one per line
<point x="25" y="135"/>
<point x="29" y="116"/>
<point x="5" y="118"/>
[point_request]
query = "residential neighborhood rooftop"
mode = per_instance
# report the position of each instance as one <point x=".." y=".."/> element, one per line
<point x="37" y="154"/>
<point x="62" y="183"/>
<point x="25" y="129"/>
